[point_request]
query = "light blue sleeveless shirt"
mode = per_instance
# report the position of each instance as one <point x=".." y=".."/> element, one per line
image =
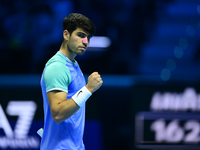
<point x="62" y="74"/>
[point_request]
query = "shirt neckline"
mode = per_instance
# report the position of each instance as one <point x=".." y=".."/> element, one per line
<point x="74" y="63"/>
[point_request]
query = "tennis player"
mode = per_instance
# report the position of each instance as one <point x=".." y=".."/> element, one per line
<point x="64" y="88"/>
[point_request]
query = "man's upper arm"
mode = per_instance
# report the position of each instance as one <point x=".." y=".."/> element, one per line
<point x="55" y="98"/>
<point x="57" y="79"/>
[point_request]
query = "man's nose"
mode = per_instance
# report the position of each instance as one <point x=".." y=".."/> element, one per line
<point x="85" y="42"/>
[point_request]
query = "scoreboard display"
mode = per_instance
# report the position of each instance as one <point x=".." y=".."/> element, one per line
<point x="167" y="117"/>
<point x="168" y="130"/>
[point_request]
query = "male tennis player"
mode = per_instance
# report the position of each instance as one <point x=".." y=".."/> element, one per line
<point x="64" y="89"/>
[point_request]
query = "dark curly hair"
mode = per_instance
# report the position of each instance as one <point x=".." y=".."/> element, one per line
<point x="76" y="20"/>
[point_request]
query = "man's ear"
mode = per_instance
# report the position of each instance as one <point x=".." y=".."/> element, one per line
<point x="66" y="35"/>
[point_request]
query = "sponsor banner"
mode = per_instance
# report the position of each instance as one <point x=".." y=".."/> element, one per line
<point x="19" y="133"/>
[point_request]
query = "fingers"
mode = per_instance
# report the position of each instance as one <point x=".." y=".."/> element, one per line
<point x="95" y="73"/>
<point x="97" y="76"/>
<point x="94" y="82"/>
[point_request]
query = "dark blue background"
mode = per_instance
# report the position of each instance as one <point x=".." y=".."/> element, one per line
<point x="146" y="36"/>
<point x="152" y="42"/>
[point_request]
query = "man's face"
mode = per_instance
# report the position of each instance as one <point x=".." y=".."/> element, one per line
<point x="78" y="42"/>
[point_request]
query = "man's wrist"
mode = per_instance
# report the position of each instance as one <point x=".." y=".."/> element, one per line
<point x="81" y="96"/>
<point x="89" y="89"/>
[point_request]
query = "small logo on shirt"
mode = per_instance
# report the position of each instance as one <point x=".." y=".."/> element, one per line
<point x="79" y="93"/>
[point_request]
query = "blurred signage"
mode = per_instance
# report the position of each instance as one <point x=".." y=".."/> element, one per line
<point x="172" y="123"/>
<point x="100" y="42"/>
<point x="188" y="100"/>
<point x="15" y="134"/>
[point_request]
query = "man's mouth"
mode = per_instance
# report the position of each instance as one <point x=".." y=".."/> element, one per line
<point x="83" y="48"/>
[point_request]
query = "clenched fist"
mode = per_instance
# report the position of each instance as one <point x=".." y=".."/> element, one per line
<point x="94" y="82"/>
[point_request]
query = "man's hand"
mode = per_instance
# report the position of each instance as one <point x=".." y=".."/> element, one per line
<point x="94" y="82"/>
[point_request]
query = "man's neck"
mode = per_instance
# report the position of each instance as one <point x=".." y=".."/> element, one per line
<point x="66" y="52"/>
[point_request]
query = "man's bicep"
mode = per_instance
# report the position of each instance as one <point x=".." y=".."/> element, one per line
<point x="55" y="98"/>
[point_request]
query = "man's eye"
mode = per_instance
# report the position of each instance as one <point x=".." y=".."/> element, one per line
<point x="82" y="36"/>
